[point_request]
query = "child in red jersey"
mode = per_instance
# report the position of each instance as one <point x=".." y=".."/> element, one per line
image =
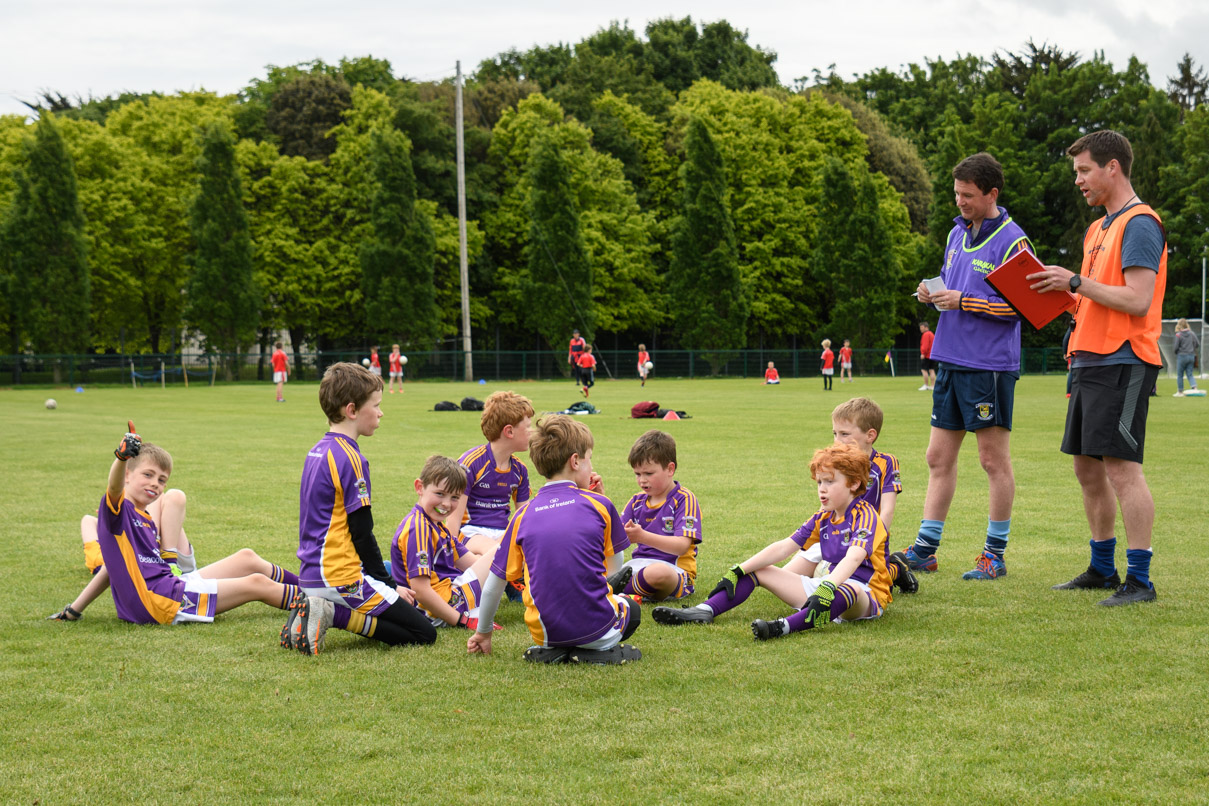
<point x="587" y="369"/>
<point x="827" y="363"/>
<point x="846" y="361"/>
<point x="396" y="368"/>
<point x="644" y="358"/>
<point x="281" y="371"/>
<point x="771" y="376"/>
<point x="375" y="363"/>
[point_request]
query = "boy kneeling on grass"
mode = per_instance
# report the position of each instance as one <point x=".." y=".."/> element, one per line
<point x="145" y="591"/>
<point x="851" y="537"/>
<point x="564" y="542"/>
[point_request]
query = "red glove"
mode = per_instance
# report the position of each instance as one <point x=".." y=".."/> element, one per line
<point x="472" y="624"/>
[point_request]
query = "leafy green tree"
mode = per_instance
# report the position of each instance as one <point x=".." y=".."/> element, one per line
<point x="558" y="286"/>
<point x="303" y="111"/>
<point x="48" y="282"/>
<point x="709" y="305"/>
<point x="1189" y="87"/>
<point x="223" y="302"/>
<point x="855" y="262"/>
<point x="397" y="262"/>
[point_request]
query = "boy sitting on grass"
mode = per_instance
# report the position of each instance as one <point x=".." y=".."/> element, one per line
<point x="342" y="575"/>
<point x="167" y="513"/>
<point x="446" y="577"/>
<point x="858" y="422"/>
<point x="145" y="591"/>
<point x="564" y="542"/>
<point x="664" y="521"/>
<point x="852" y="538"/>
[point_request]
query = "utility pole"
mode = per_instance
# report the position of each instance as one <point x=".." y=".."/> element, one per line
<point x="464" y="269"/>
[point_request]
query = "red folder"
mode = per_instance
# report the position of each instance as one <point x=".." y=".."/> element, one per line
<point x="1034" y="307"/>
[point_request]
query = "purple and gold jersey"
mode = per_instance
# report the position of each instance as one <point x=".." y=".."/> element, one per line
<point x="884" y="478"/>
<point x="335" y="483"/>
<point x="422" y="548"/>
<point x="489" y="492"/>
<point x="558" y="543"/>
<point x="678" y="516"/>
<point x="145" y="591"/>
<point x="860" y="526"/>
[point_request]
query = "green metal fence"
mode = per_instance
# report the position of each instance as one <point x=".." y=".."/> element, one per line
<point x="492" y="365"/>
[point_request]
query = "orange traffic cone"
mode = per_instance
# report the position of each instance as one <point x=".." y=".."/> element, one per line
<point x="671" y="415"/>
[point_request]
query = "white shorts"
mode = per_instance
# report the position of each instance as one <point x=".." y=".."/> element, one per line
<point x="641" y="370"/>
<point x="375" y="371"/>
<point x="810" y="585"/>
<point x="280" y="377"/>
<point x="829" y="371"/>
<point x="846" y="365"/>
<point x="199" y="600"/>
<point x="773" y="383"/>
<point x="685" y="588"/>
<point x="369" y="597"/>
<point x="398" y="375"/>
<point x="466" y="579"/>
<point x="469" y="531"/>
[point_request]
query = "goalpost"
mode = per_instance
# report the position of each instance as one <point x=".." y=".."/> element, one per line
<point x="1167" y="345"/>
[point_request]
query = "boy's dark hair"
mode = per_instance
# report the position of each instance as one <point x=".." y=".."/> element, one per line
<point x="503" y="408"/>
<point x="555" y="438"/>
<point x="150" y="452"/>
<point x="277" y="345"/>
<point x="847" y="460"/>
<point x="982" y="169"/>
<point x="861" y="412"/>
<point x="444" y="472"/>
<point x="653" y="446"/>
<point x="345" y="383"/>
<point x="1105" y="146"/>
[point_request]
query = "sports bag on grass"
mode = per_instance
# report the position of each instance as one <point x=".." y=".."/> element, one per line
<point x="646" y="408"/>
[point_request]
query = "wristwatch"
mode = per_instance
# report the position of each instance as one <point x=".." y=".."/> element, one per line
<point x="1075" y="282"/>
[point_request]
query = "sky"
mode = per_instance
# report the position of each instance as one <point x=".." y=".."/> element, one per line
<point x="90" y="47"/>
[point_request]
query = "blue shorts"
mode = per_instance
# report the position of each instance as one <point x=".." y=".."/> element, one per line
<point x="967" y="400"/>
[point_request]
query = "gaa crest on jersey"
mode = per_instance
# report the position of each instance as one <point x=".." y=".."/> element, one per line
<point x="984" y="411"/>
<point x="690" y="523"/>
<point x="422" y="559"/>
<point x="187" y="603"/>
<point x="845" y="537"/>
<point x="362" y="488"/>
<point x="862" y="536"/>
<point x="669" y="524"/>
<point x="949" y="259"/>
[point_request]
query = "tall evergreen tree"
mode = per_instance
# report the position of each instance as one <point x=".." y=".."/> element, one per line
<point x="854" y="262"/>
<point x="224" y="303"/>
<point x="709" y="305"/>
<point x="558" y="284"/>
<point x="47" y="281"/>
<point x="397" y="262"/>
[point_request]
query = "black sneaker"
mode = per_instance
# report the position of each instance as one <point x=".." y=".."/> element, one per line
<point x="682" y="615"/>
<point x="618" y="581"/>
<point x="547" y="654"/>
<point x="1091" y="579"/>
<point x="618" y="655"/>
<point x="767" y="630"/>
<point x="906" y="582"/>
<point x="1130" y="593"/>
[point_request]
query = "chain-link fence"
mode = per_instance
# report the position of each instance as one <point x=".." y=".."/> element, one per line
<point x="491" y="365"/>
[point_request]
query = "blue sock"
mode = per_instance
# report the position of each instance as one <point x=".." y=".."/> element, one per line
<point x="1138" y="563"/>
<point x="1103" y="556"/>
<point x="928" y="539"/>
<point x="997" y="536"/>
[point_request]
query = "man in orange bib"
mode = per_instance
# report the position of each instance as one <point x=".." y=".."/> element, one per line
<point x="1114" y="352"/>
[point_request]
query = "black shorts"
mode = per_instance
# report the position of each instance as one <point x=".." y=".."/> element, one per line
<point x="1106" y="415"/>
<point x="927" y="363"/>
<point x="967" y="400"/>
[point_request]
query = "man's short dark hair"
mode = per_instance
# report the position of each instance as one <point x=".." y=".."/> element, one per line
<point x="1104" y="147"/>
<point x="982" y="169"/>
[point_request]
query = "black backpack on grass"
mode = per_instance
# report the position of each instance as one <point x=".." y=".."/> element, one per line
<point x="446" y="405"/>
<point x="471" y="404"/>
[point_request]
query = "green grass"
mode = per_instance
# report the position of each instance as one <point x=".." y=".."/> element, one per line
<point x="1000" y="692"/>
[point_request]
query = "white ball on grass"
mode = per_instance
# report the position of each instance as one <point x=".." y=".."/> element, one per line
<point x="51" y="404"/>
<point x="365" y="361"/>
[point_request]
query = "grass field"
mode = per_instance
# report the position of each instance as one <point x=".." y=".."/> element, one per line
<point x="992" y="692"/>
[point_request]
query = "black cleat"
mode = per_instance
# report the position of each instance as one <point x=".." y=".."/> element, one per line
<point x="906" y="582"/>
<point x="682" y="615"/>
<point x="618" y="581"/>
<point x="1131" y="592"/>
<point x="547" y="654"/>
<point x="767" y="630"/>
<point x="1091" y="579"/>
<point x="618" y="655"/>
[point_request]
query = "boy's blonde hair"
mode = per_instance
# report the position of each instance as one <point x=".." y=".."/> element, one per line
<point x="345" y="383"/>
<point x="847" y="460"/>
<point x="441" y="471"/>
<point x="555" y="438"/>
<point x="826" y="343"/>
<point x="653" y="446"/>
<point x="501" y="409"/>
<point x="861" y="412"/>
<point x="150" y="452"/>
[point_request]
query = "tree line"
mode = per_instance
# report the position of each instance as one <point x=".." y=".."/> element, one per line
<point x="661" y="188"/>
